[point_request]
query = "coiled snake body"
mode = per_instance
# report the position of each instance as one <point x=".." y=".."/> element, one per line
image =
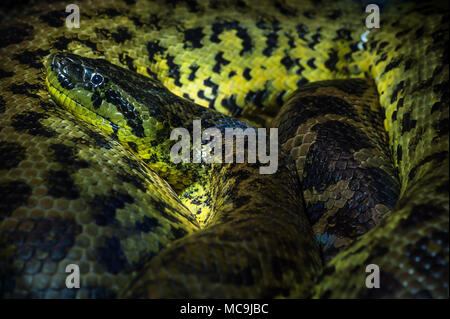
<point x="362" y="174"/>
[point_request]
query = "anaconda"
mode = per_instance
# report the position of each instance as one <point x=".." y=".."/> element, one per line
<point x="363" y="162"/>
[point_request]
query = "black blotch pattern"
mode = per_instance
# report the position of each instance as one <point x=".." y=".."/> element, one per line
<point x="220" y="60"/>
<point x="193" y="38"/>
<point x="271" y="43"/>
<point x="330" y="64"/>
<point x="442" y="127"/>
<point x="2" y="105"/>
<point x="424" y="85"/>
<point x="393" y="64"/>
<point x="30" y="122"/>
<point x="399" y="153"/>
<point x="407" y="123"/>
<point x="256" y="97"/>
<point x="48" y="237"/>
<point x="13" y="195"/>
<point x="121" y="35"/>
<point x="148" y="224"/>
<point x="335" y="14"/>
<point x="437" y="107"/>
<point x="174" y="70"/>
<point x="66" y="156"/>
<point x="394" y="115"/>
<point x="230" y="104"/>
<point x="128" y="111"/>
<point x="127" y="60"/>
<point x="193" y="69"/>
<point x="99" y="139"/>
<point x="96" y="100"/>
<point x="308" y="107"/>
<point x="192" y="5"/>
<point x="287" y="62"/>
<point x="219" y="27"/>
<point x="335" y="142"/>
<point x="135" y="166"/>
<point x="209" y="83"/>
<point x="31" y="58"/>
<point x="14" y="34"/>
<point x="5" y="74"/>
<point x="408" y="64"/>
<point x="311" y="63"/>
<point x="315" y="39"/>
<point x="132" y="178"/>
<point x="112" y="257"/>
<point x="300" y="83"/>
<point x="285" y="10"/>
<point x="153" y="49"/>
<point x="89" y="44"/>
<point x="302" y="31"/>
<point x="133" y="146"/>
<point x="178" y="232"/>
<point x="55" y="19"/>
<point x="421" y="214"/>
<point x="291" y="40"/>
<point x="246" y="74"/>
<point x="62" y="43"/>
<point x="383" y="57"/>
<point x="187" y="97"/>
<point x="201" y="94"/>
<point x="443" y="89"/>
<point x="104" y="207"/>
<point x="402" y="33"/>
<point x="330" y="160"/>
<point x="439" y="157"/>
<point x="60" y="184"/>
<point x="281" y="265"/>
<point x="310" y="14"/>
<point x="25" y="89"/>
<point x="280" y="97"/>
<point x="420" y="32"/>
<point x="443" y="188"/>
<point x="241" y="201"/>
<point x="400" y="86"/>
<point x="111" y="12"/>
<point x="11" y="154"/>
<point x="400" y="103"/>
<point x="343" y="34"/>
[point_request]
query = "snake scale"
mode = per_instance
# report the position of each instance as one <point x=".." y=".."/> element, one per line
<point x="362" y="174"/>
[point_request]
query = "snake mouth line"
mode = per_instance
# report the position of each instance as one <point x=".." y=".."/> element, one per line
<point x="64" y="100"/>
<point x="75" y="107"/>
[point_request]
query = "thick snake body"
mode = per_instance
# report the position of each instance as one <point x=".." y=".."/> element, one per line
<point x="363" y="165"/>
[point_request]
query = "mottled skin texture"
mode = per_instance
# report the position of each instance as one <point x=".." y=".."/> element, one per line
<point x="334" y="132"/>
<point x="73" y="192"/>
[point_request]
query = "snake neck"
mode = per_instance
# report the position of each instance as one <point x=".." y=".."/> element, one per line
<point x="136" y="111"/>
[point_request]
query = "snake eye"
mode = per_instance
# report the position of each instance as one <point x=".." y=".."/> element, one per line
<point x="96" y="79"/>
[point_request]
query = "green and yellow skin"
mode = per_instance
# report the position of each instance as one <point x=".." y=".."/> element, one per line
<point x="243" y="223"/>
<point x="78" y="182"/>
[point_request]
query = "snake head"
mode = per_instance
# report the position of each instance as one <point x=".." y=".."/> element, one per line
<point x="118" y="99"/>
<point x="137" y="111"/>
<point x="73" y="71"/>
